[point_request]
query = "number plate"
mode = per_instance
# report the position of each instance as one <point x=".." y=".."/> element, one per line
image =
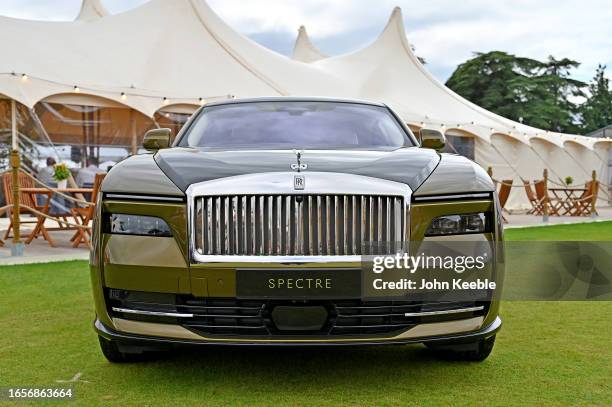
<point x="298" y="284"/>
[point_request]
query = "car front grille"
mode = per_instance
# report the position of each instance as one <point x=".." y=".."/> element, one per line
<point x="254" y="318"/>
<point x="259" y="225"/>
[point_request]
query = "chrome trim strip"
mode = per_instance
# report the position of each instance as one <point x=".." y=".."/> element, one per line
<point x="447" y="197"/>
<point x="144" y="197"/>
<point x="152" y="313"/>
<point x="278" y="259"/>
<point x="444" y="312"/>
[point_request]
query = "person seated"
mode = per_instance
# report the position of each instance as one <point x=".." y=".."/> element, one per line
<point x="86" y="176"/>
<point x="45" y="174"/>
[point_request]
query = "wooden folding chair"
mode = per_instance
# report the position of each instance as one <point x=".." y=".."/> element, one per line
<point x="537" y="205"/>
<point x="585" y="204"/>
<point x="25" y="199"/>
<point x="83" y="215"/>
<point x="554" y="204"/>
<point x="503" y="194"/>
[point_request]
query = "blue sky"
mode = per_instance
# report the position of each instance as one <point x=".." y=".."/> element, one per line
<point x="444" y="32"/>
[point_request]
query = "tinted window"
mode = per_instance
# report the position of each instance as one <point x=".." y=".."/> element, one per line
<point x="288" y="125"/>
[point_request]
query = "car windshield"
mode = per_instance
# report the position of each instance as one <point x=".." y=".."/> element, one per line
<point x="300" y="124"/>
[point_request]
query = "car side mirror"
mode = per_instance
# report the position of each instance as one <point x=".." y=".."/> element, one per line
<point x="432" y="139"/>
<point x="157" y="139"/>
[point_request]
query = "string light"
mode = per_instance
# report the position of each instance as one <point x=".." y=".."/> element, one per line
<point x="24" y="77"/>
<point x="202" y="101"/>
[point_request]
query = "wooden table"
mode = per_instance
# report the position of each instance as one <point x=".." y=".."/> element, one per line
<point x="40" y="228"/>
<point x="567" y="198"/>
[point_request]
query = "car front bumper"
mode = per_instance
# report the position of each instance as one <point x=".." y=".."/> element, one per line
<point x="147" y="342"/>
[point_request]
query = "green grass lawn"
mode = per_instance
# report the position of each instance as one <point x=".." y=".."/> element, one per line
<point x="548" y="353"/>
<point x="598" y="231"/>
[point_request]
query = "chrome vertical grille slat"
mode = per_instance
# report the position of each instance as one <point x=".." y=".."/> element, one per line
<point x="279" y="224"/>
<point x="319" y="226"/>
<point x="328" y="225"/>
<point x="312" y="225"/>
<point x="253" y="233"/>
<point x="354" y="224"/>
<point x="299" y="227"/>
<point x="336" y="226"/>
<point x="345" y="232"/>
<point x="288" y="249"/>
<point x="235" y="222"/>
<point x="271" y="224"/>
<point x="243" y="214"/>
<point x="218" y="224"/>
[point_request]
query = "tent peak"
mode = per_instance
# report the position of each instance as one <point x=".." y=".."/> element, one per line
<point x="395" y="25"/>
<point x="304" y="50"/>
<point x="91" y="10"/>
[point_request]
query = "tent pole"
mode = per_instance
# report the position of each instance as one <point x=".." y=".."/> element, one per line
<point x="545" y="201"/>
<point x="17" y="246"/>
<point x="14" y="141"/>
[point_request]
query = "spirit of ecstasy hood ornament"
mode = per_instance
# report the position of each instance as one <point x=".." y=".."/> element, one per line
<point x="299" y="166"/>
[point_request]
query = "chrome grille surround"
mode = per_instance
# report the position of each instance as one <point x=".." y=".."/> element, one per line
<point x="263" y="204"/>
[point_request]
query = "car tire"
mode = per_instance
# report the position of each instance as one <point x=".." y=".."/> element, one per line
<point x="476" y="351"/>
<point x="114" y="354"/>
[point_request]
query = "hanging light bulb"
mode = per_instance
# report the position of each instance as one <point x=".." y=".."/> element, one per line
<point x="166" y="100"/>
<point x="459" y="126"/>
<point x="202" y="101"/>
<point x="24" y="77"/>
<point x="76" y="89"/>
<point x="123" y="96"/>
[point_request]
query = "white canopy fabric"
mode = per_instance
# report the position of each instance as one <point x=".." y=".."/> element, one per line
<point x="304" y="50"/>
<point x="180" y="53"/>
<point x="91" y="10"/>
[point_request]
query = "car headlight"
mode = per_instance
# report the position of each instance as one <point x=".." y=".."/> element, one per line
<point x="458" y="224"/>
<point x="122" y="224"/>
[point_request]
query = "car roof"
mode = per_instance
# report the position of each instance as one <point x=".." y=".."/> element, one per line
<point x="293" y="99"/>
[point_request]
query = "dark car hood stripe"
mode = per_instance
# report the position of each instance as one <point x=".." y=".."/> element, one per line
<point x="186" y="166"/>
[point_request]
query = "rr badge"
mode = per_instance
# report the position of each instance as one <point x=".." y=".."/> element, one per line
<point x="299" y="182"/>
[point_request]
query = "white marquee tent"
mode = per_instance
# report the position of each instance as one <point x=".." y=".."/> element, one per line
<point x="90" y="79"/>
